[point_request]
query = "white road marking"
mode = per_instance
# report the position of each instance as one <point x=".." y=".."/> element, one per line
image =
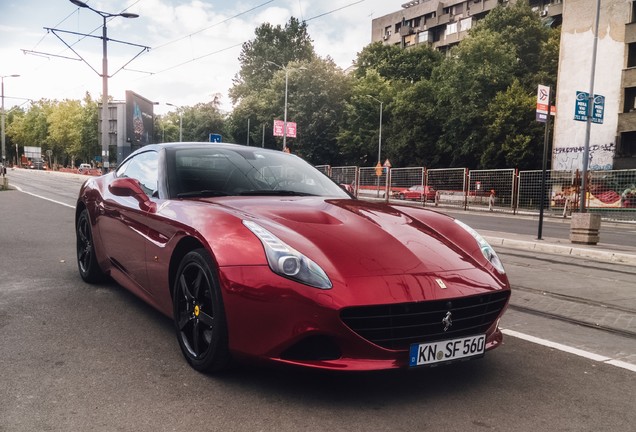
<point x="571" y="350"/>
<point x="44" y="198"/>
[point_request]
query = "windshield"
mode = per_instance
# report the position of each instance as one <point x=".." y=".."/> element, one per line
<point x="221" y="171"/>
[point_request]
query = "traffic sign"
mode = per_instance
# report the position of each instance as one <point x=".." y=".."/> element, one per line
<point x="378" y="169"/>
<point x="581" y="108"/>
<point x="543" y="103"/>
<point x="215" y="138"/>
<point x="598" y="109"/>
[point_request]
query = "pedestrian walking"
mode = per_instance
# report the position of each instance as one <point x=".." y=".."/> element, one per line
<point x="491" y="200"/>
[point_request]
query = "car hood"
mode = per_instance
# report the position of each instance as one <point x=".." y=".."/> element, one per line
<point x="359" y="238"/>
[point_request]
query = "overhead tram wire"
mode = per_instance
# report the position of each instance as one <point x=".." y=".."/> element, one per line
<point x="335" y="10"/>
<point x="213" y="25"/>
<point x="236" y="45"/>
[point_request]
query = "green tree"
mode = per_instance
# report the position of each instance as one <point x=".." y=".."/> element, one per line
<point x="65" y="130"/>
<point x="479" y="68"/>
<point x="415" y="127"/>
<point x="280" y="45"/>
<point x="89" y="129"/>
<point x="32" y="128"/>
<point x="358" y="137"/>
<point x="395" y="63"/>
<point x="319" y="90"/>
<point x="202" y="119"/>
<point x="524" y="31"/>
<point x="515" y="138"/>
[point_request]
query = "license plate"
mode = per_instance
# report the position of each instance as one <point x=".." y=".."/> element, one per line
<point x="447" y="350"/>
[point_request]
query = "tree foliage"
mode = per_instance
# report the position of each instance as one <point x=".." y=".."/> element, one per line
<point x="279" y="45"/>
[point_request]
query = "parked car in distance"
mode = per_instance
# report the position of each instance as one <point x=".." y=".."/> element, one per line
<point x="37" y="163"/>
<point x="84" y="168"/>
<point x="257" y="255"/>
<point x="417" y="193"/>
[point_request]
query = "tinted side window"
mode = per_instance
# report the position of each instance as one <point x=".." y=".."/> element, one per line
<point x="143" y="168"/>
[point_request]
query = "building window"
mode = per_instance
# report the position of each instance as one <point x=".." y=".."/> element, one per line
<point x="633" y="11"/>
<point x="627" y="145"/>
<point x="451" y="28"/>
<point x="630" y="100"/>
<point x="631" y="55"/>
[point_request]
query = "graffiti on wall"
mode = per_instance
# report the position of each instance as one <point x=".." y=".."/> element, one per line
<point x="571" y="158"/>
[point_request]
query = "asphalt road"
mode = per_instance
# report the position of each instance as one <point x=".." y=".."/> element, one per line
<point x="78" y="357"/>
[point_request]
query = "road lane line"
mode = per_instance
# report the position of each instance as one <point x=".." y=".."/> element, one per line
<point x="570" y="350"/>
<point x="44" y="198"/>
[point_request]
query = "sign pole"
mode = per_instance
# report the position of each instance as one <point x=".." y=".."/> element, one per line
<point x="546" y="143"/>
<point x="590" y="112"/>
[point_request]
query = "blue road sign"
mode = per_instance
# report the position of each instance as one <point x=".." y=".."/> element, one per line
<point x="581" y="107"/>
<point x="215" y="138"/>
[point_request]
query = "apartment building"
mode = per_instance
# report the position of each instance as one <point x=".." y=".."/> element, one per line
<point x="442" y="24"/>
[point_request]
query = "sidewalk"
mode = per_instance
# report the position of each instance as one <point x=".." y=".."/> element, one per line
<point x="570" y="300"/>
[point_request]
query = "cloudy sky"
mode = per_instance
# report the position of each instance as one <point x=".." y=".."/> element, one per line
<point x="194" y="44"/>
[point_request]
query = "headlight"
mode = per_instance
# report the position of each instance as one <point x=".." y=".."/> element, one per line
<point x="486" y="249"/>
<point x="287" y="261"/>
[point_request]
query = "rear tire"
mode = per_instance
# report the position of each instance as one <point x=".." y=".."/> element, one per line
<point x="87" y="264"/>
<point x="199" y="315"/>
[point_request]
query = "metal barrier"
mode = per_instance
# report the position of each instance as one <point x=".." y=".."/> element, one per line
<point x="449" y="185"/>
<point x="612" y="194"/>
<point x="371" y="185"/>
<point x="561" y="192"/>
<point x="491" y="190"/>
<point x="347" y="177"/>
<point x="408" y="184"/>
<point x="325" y="169"/>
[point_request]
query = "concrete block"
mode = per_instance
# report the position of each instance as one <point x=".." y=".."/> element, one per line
<point x="584" y="228"/>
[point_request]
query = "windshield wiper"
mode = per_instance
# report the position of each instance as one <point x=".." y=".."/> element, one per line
<point x="274" y="193"/>
<point x="202" y="193"/>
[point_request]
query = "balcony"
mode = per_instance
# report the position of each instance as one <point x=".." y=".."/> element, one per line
<point x="555" y="9"/>
<point x="630" y="33"/>
<point x="406" y="30"/>
<point x="629" y="78"/>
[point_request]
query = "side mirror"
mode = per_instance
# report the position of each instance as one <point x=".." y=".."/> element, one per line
<point x="129" y="187"/>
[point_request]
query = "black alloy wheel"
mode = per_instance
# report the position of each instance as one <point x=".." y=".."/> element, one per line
<point x="86" y="260"/>
<point x="199" y="315"/>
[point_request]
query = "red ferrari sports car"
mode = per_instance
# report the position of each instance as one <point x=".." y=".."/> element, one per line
<point x="257" y="255"/>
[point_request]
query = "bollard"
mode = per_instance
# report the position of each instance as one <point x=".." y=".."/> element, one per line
<point x="584" y="228"/>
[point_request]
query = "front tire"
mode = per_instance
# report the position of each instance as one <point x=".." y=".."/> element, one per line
<point x="87" y="264"/>
<point x="199" y="315"/>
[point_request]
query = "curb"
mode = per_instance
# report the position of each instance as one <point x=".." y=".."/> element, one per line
<point x="594" y="254"/>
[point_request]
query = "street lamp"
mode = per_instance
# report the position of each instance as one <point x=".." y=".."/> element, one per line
<point x="286" y="69"/>
<point x="104" y="75"/>
<point x="180" y="119"/>
<point x="2" y="127"/>
<point x="380" y="137"/>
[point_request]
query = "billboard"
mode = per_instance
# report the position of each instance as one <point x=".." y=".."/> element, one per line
<point x="140" y="125"/>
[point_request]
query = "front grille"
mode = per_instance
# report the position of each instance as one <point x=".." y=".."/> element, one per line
<point x="396" y="326"/>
